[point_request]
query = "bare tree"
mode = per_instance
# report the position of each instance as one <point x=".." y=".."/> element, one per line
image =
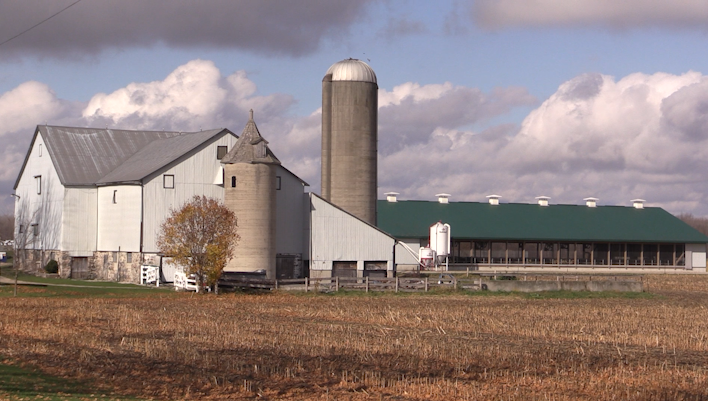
<point x="36" y="224"/>
<point x="7" y="227"/>
<point x="699" y="223"/>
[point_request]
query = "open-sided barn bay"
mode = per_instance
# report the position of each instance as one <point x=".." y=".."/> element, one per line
<point x="285" y="346"/>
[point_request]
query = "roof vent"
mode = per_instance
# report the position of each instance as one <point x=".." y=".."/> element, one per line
<point x="591" y="202"/>
<point x="493" y="199"/>
<point x="543" y="200"/>
<point x="638" y="203"/>
<point x="391" y="196"/>
<point x="443" y="198"/>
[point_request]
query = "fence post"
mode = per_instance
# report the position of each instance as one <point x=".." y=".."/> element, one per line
<point x="426" y="284"/>
<point x="307" y="284"/>
<point x="396" y="284"/>
<point x="367" y="283"/>
<point x="336" y="282"/>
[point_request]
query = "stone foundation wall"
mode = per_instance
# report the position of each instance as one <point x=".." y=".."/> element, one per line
<point x="114" y="266"/>
<point x="106" y="266"/>
<point x="33" y="261"/>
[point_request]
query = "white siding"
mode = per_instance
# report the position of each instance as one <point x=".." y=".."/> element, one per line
<point x="339" y="236"/>
<point x="193" y="175"/>
<point x="403" y="256"/>
<point x="290" y="220"/>
<point x="43" y="209"/>
<point x="696" y="256"/>
<point x="79" y="221"/>
<point x="119" y="209"/>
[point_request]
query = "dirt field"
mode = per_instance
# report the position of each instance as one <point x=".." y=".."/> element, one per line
<point x="363" y="347"/>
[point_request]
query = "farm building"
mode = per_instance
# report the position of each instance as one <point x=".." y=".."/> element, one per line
<point x="94" y="200"/>
<point x="499" y="236"/>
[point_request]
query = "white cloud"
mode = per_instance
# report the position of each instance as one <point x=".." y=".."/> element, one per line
<point x="619" y="14"/>
<point x="642" y="136"/>
<point x="410" y="112"/>
<point x="21" y="109"/>
<point x="26" y="105"/>
<point x="194" y="96"/>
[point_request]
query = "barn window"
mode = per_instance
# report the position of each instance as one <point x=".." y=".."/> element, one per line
<point x="129" y="257"/>
<point x="233" y="181"/>
<point x="105" y="259"/>
<point x="38" y="180"/>
<point x="221" y="152"/>
<point x="114" y="256"/>
<point x="35" y="229"/>
<point x="22" y="228"/>
<point x="277" y="183"/>
<point x="168" y="181"/>
<point x="115" y="192"/>
<point x="39" y="150"/>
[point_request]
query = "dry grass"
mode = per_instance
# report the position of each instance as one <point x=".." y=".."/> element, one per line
<point x="282" y="346"/>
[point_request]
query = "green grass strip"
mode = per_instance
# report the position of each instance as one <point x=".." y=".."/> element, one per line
<point x="18" y="383"/>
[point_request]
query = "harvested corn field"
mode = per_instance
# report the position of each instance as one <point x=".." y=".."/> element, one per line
<point x="361" y="347"/>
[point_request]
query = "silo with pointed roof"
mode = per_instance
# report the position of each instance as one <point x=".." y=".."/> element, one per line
<point x="249" y="190"/>
<point x="349" y="138"/>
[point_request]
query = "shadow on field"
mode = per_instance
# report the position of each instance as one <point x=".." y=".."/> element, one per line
<point x="17" y="383"/>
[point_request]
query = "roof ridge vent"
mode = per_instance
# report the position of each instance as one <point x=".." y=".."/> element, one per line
<point x="391" y="196"/>
<point x="591" y="202"/>
<point x="543" y="200"/>
<point x="493" y="199"/>
<point x="443" y="198"/>
<point x="638" y="203"/>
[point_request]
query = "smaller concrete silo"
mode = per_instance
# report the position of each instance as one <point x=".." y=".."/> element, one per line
<point x="249" y="190"/>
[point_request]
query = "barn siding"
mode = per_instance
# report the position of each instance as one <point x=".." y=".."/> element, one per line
<point x="696" y="257"/>
<point x="339" y="236"/>
<point x="119" y="221"/>
<point x="194" y="174"/>
<point x="79" y="221"/>
<point x="44" y="209"/>
<point x="403" y="256"/>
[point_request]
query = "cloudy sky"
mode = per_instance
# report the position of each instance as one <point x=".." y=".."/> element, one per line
<point x="520" y="98"/>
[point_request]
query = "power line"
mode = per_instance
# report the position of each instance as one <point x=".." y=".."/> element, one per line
<point x="41" y="22"/>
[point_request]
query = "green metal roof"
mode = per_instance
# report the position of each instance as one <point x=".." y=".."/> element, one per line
<point x="532" y="222"/>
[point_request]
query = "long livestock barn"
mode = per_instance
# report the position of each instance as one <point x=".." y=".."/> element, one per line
<point x="498" y="236"/>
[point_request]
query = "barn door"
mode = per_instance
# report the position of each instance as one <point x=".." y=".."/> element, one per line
<point x="375" y="269"/>
<point x="343" y="269"/>
<point x="79" y="268"/>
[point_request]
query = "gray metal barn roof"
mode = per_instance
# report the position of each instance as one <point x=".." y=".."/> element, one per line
<point x="90" y="156"/>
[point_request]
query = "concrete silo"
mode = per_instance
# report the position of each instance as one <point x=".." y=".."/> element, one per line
<point x="349" y="138"/>
<point x="249" y="191"/>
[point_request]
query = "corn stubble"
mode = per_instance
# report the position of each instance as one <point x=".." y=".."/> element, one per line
<point x="281" y="346"/>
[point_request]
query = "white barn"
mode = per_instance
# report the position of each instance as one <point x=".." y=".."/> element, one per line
<point x="94" y="200"/>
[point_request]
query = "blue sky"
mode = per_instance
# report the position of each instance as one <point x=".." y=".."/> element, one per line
<point x="521" y="98"/>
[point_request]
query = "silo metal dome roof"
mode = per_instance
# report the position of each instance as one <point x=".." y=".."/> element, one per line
<point x="352" y="70"/>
